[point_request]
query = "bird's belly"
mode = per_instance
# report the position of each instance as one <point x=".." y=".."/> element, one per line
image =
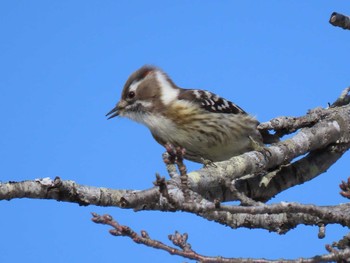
<point x="219" y="139"/>
<point x="199" y="147"/>
<point x="213" y="146"/>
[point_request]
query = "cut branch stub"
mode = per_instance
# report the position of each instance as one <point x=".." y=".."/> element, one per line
<point x="340" y="20"/>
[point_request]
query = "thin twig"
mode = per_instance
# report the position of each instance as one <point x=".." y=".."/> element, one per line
<point x="343" y="99"/>
<point x="186" y="251"/>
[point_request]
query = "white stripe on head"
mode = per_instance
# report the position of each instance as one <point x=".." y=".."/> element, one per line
<point x="168" y="92"/>
<point x="134" y="85"/>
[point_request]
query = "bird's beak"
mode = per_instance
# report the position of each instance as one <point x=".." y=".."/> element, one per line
<point x="116" y="110"/>
<point x="113" y="113"/>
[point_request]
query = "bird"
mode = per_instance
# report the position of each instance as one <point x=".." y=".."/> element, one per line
<point x="207" y="126"/>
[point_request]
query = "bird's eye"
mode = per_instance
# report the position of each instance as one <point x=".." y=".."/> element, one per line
<point x="131" y="94"/>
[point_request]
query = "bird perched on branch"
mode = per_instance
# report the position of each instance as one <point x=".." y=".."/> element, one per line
<point x="209" y="127"/>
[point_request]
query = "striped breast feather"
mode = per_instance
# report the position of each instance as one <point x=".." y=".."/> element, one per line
<point x="210" y="101"/>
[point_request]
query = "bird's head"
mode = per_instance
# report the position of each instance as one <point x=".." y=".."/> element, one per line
<point x="147" y="90"/>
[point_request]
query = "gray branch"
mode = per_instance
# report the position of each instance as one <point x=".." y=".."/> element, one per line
<point x="65" y="191"/>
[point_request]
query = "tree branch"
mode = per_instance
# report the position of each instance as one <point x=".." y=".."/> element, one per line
<point x="265" y="186"/>
<point x="186" y="251"/>
<point x="278" y="217"/>
<point x="340" y="20"/>
<point x="67" y="191"/>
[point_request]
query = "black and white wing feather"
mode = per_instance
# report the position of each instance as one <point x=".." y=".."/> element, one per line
<point x="210" y="101"/>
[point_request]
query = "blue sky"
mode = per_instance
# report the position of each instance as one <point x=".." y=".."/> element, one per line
<point x="62" y="67"/>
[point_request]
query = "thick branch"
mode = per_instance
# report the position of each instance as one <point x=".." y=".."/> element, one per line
<point x="278" y="218"/>
<point x="264" y="187"/>
<point x="67" y="191"/>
